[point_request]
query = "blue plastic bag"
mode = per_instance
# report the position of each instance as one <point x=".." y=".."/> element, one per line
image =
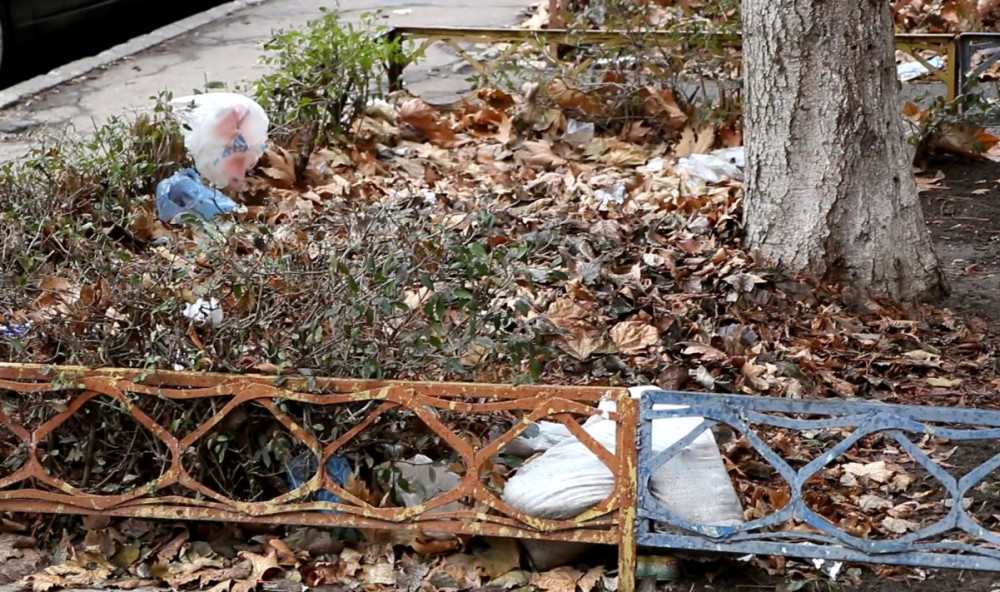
<point x="184" y="193"/>
<point x="303" y="467"/>
<point x="13" y="331"/>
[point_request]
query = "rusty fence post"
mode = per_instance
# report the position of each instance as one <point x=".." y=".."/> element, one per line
<point x="628" y="447"/>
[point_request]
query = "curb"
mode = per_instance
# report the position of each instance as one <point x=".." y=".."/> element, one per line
<point x="24" y="90"/>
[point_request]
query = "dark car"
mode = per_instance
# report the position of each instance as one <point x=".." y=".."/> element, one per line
<point x="22" y="21"/>
<point x="33" y="31"/>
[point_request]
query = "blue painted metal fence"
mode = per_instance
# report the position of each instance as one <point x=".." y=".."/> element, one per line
<point x="954" y="540"/>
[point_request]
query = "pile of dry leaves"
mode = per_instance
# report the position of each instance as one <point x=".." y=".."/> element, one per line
<point x="487" y="242"/>
<point x="910" y="16"/>
<point x="695" y="22"/>
<point x="946" y="16"/>
<point x="130" y="554"/>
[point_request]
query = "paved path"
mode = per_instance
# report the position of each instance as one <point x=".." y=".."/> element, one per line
<point x="227" y="51"/>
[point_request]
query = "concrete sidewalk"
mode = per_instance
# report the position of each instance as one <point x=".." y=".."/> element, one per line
<point x="227" y="51"/>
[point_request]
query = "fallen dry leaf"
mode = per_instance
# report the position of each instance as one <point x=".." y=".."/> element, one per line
<point x="320" y="573"/>
<point x="876" y="471"/>
<point x="706" y="352"/>
<point x="83" y="571"/>
<point x="573" y="99"/>
<point x="428" y="121"/>
<point x="587" y="582"/>
<point x="380" y="573"/>
<point x="349" y="564"/>
<point x="410" y="573"/>
<point x="495" y="98"/>
<point x="943" y="382"/>
<point x="502" y="556"/>
<point x="173" y="547"/>
<point x="538" y="153"/>
<point x="631" y="337"/>
<point x="695" y="141"/>
<point x="18" y="557"/>
<point x="661" y="104"/>
<point x="869" y="502"/>
<point x="561" y="579"/>
<point x="280" y="167"/>
<point x="12" y="544"/>
<point x="898" y="525"/>
<point x="582" y="337"/>
<point x="841" y="386"/>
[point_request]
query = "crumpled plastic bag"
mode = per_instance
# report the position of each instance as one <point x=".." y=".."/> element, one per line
<point x="419" y="479"/>
<point x="14" y="330"/>
<point x="908" y="71"/>
<point x="303" y="467"/>
<point x="225" y="133"/>
<point x="577" y="134"/>
<point x="714" y="166"/>
<point x="184" y="193"/>
<point x="204" y="311"/>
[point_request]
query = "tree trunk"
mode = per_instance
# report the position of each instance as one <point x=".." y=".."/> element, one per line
<point x="829" y="186"/>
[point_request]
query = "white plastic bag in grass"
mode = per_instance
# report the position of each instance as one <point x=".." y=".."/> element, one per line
<point x="568" y="478"/>
<point x="225" y="133"/>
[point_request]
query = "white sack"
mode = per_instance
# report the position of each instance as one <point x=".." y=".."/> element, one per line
<point x="538" y="437"/>
<point x="568" y="478"/>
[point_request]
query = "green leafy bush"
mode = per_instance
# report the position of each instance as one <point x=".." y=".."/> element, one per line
<point x="324" y="75"/>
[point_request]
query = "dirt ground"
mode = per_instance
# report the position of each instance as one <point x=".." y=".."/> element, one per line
<point x="963" y="214"/>
<point x="961" y="201"/>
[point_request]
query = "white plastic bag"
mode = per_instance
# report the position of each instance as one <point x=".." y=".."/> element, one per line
<point x="577" y="134"/>
<point x="225" y="133"/>
<point x="908" y="71"/>
<point x="569" y="478"/>
<point x="714" y="166"/>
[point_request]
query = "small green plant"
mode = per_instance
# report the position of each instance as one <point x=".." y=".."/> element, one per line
<point x="324" y="75"/>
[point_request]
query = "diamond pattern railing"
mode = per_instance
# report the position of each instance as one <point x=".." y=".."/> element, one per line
<point x="169" y="440"/>
<point x="835" y="480"/>
<point x="879" y="451"/>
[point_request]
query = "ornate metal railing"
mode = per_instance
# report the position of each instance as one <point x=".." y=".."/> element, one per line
<point x="838" y="480"/>
<point x="835" y="480"/>
<point x="958" y="51"/>
<point x="204" y="446"/>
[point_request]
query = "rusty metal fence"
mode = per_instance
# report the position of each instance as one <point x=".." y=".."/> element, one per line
<point x="157" y="432"/>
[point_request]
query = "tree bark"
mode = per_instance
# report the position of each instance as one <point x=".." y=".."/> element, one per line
<point x="829" y="186"/>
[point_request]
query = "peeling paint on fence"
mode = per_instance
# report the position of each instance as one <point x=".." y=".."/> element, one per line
<point x="177" y="494"/>
<point x="955" y="540"/>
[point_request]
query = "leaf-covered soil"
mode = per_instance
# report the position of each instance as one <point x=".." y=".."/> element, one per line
<point x="619" y="268"/>
<point x="962" y="210"/>
<point x="909" y="16"/>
